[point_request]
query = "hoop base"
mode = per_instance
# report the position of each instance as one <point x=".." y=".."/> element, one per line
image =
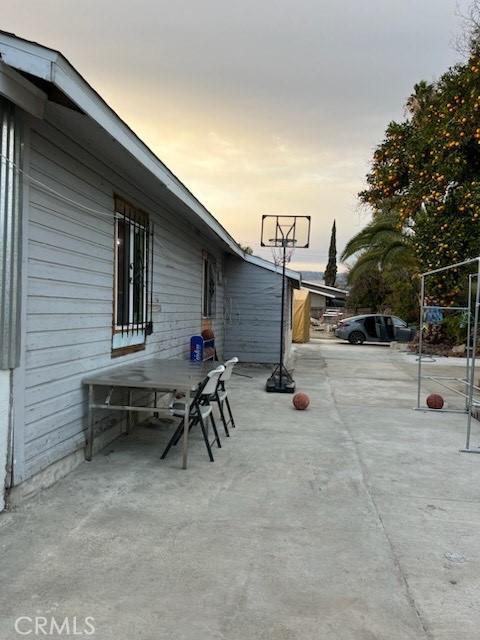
<point x="285" y="385"/>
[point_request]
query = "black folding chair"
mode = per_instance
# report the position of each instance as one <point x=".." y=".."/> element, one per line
<point x="200" y="411"/>
<point x="221" y="396"/>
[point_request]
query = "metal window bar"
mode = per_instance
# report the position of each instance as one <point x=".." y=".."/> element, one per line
<point x="147" y="277"/>
<point x="135" y="266"/>
<point x="136" y="276"/>
<point x="149" y="329"/>
<point x="135" y="271"/>
<point x="124" y="267"/>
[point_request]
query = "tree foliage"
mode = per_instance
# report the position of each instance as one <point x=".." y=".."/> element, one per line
<point x="331" y="270"/>
<point x="385" y="259"/>
<point x="368" y="292"/>
<point x="382" y="242"/>
<point x="426" y="174"/>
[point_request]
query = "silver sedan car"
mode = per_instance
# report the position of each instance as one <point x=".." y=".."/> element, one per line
<point x="374" y="328"/>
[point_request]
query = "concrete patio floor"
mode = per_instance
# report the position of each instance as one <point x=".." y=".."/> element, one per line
<point x="355" y="520"/>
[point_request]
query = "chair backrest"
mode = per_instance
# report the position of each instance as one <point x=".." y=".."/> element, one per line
<point x="229" y="364"/>
<point x="212" y="381"/>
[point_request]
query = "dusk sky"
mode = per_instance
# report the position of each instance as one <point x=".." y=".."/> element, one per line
<point x="258" y="106"/>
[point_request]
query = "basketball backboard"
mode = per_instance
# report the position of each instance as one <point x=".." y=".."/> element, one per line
<point x="291" y="232"/>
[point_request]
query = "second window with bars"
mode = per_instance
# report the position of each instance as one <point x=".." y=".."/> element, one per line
<point x="132" y="264"/>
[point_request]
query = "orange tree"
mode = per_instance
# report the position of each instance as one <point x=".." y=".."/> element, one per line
<point x="427" y="169"/>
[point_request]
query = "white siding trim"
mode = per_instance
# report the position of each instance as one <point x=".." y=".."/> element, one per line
<point x="18" y="376"/>
<point x="5" y="407"/>
<point x="24" y="94"/>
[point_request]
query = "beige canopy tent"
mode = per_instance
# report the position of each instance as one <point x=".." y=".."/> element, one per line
<point x="301" y="316"/>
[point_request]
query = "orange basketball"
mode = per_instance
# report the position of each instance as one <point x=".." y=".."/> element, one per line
<point x="300" y="401"/>
<point x="207" y="334"/>
<point x="434" y="401"/>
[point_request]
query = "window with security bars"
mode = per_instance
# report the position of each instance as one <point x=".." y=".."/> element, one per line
<point x="209" y="285"/>
<point x="133" y="276"/>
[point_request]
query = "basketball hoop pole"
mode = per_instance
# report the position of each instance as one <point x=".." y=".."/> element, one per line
<point x="284" y="383"/>
<point x="280" y="231"/>
<point x="282" y="322"/>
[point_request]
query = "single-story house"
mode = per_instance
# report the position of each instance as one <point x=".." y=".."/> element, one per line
<point x="105" y="258"/>
<point x="252" y="309"/>
<point x="323" y="297"/>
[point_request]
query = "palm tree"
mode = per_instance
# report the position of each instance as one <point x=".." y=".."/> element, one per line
<point x="421" y="98"/>
<point x="383" y="243"/>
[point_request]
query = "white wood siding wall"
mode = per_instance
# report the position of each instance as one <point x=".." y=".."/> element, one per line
<point x="318" y="304"/>
<point x="252" y="303"/>
<point x="70" y="289"/>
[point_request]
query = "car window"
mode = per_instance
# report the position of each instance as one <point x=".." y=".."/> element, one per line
<point x="399" y="323"/>
<point x="369" y="324"/>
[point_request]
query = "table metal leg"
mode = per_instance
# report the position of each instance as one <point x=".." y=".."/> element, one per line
<point x="89" y="447"/>
<point x="185" y="428"/>
<point x="129" y="413"/>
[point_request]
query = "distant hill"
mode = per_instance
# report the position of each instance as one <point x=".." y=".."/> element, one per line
<point x="312" y="276"/>
<point x="317" y="276"/>
<point x="341" y="281"/>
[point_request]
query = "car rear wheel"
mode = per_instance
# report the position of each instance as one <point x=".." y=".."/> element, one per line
<point x="356" y="337"/>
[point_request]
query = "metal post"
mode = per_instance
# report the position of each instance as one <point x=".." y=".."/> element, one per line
<point x="89" y="448"/>
<point x="467" y="367"/>
<point x="284" y="242"/>
<point x="129" y="413"/>
<point x="420" y="340"/>
<point x="186" y="419"/>
<point x="474" y="355"/>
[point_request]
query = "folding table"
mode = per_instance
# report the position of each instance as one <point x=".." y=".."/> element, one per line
<point x="153" y="374"/>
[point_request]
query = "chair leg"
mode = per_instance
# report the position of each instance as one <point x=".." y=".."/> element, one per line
<point x="180" y="430"/>
<point x="222" y="415"/>
<point x="230" y="412"/>
<point x="173" y="440"/>
<point x="214" y="427"/>
<point x="177" y="434"/>
<point x="205" y="437"/>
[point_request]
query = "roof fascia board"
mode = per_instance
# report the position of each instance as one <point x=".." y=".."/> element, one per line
<point x="78" y="90"/>
<point x="323" y="294"/>
<point x="28" y="57"/>
<point x="265" y="264"/>
<point x="50" y="65"/>
<point x="21" y="92"/>
<point x="314" y="285"/>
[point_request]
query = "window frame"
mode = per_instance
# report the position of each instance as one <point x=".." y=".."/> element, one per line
<point x="131" y="311"/>
<point x="131" y="336"/>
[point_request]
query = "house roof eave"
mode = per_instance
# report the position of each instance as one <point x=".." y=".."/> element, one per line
<point x="50" y="65"/>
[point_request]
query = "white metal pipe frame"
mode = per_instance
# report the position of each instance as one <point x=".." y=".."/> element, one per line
<point x="471" y="347"/>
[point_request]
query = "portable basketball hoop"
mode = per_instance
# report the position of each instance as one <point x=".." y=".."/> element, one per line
<point x="283" y="234"/>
